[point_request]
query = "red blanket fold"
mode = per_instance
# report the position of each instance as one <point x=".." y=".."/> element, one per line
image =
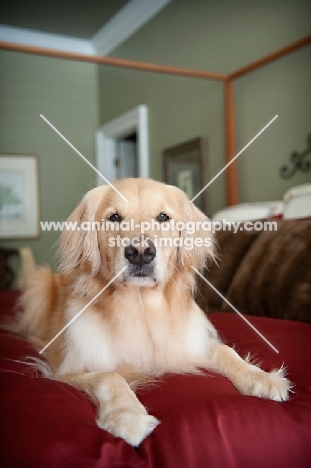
<point x="204" y="421"/>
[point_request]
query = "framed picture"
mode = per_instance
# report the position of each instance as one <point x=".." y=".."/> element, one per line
<point x="184" y="168"/>
<point x="19" y="196"/>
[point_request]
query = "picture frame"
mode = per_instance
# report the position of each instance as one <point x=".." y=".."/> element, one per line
<point x="184" y="167"/>
<point x="19" y="196"/>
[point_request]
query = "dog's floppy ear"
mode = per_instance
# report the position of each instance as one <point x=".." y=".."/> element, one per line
<point x="78" y="243"/>
<point x="197" y="239"/>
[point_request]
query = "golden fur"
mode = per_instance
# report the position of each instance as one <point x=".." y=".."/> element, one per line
<point x="146" y="323"/>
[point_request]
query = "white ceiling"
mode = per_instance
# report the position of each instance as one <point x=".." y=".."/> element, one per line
<point x="90" y="27"/>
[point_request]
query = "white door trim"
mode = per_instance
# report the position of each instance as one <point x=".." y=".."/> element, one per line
<point x="134" y="121"/>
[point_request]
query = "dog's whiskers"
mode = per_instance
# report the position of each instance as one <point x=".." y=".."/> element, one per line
<point x="174" y="266"/>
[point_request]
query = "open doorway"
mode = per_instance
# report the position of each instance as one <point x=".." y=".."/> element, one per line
<point x="126" y="160"/>
<point x="122" y="146"/>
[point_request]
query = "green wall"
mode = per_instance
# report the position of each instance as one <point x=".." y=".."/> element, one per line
<point x="66" y="94"/>
<point x="221" y="37"/>
<point x="281" y="88"/>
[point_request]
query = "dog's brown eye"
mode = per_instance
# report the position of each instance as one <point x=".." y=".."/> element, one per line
<point x="163" y="217"/>
<point x="115" y="218"/>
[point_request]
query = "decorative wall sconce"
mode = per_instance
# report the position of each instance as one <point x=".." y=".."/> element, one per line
<point x="298" y="161"/>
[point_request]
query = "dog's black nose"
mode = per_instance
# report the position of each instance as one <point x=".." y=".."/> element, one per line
<point x="138" y="253"/>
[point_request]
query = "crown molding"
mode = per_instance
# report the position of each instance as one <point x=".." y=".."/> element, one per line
<point x="50" y="41"/>
<point x="120" y="27"/>
<point x="125" y="23"/>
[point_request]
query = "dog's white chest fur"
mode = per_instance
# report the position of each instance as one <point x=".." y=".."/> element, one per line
<point x="146" y="336"/>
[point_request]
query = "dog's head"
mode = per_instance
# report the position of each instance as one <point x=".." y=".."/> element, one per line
<point x="156" y="234"/>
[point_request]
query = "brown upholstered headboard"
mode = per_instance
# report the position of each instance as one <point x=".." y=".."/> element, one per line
<point x="262" y="273"/>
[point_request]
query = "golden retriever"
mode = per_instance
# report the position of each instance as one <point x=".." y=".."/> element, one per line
<point x="145" y="322"/>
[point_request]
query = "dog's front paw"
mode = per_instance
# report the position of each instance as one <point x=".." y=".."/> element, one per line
<point x="271" y="385"/>
<point x="132" y="426"/>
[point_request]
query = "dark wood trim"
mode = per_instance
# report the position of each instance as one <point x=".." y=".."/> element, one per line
<point x="232" y="185"/>
<point x="114" y="62"/>
<point x="271" y="57"/>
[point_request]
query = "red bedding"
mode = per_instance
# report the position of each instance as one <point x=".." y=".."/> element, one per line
<point x="204" y="421"/>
